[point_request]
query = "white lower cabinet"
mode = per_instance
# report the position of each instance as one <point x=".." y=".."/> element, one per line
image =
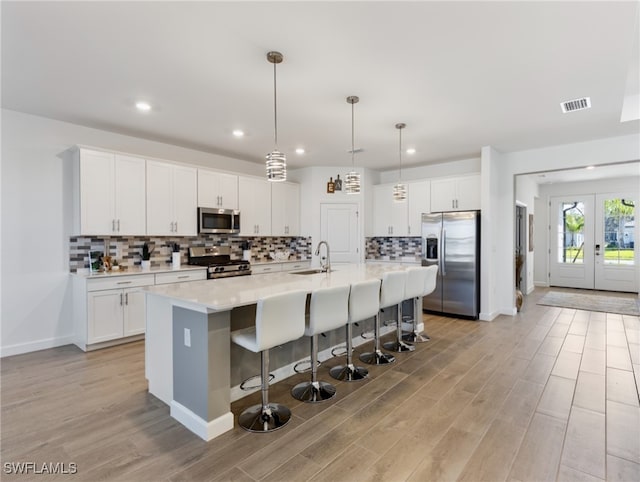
<point x="278" y="267"/>
<point x="111" y="310"/>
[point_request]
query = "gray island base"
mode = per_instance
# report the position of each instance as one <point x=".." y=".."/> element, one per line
<point x="190" y="362"/>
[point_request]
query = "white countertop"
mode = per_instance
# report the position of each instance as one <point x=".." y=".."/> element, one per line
<point x="227" y="293"/>
<point x="274" y="261"/>
<point x="136" y="270"/>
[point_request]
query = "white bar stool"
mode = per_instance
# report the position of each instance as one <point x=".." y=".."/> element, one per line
<point x="328" y="310"/>
<point x="391" y="293"/>
<point x="279" y="319"/>
<point x="364" y="302"/>
<point x="420" y="282"/>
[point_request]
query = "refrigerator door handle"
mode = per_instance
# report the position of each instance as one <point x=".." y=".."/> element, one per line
<point x="443" y="253"/>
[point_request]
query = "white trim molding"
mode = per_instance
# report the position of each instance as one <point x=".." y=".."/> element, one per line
<point x="203" y="429"/>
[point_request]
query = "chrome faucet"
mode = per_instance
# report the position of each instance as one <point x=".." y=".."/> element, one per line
<point x="326" y="267"/>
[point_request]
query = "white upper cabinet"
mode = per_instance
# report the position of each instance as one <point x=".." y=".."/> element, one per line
<point x="285" y="209"/>
<point x="418" y="202"/>
<point x="254" y="202"/>
<point x="390" y="218"/>
<point x="217" y="190"/>
<point x="456" y="194"/>
<point x="111" y="194"/>
<point x="171" y="199"/>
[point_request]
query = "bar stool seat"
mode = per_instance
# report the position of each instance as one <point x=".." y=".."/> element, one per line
<point x="279" y="319"/>
<point x="420" y="282"/>
<point x="364" y="303"/>
<point x="392" y="293"/>
<point x="328" y="310"/>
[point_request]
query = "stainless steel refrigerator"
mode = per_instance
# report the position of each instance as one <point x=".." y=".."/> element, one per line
<point x="452" y="241"/>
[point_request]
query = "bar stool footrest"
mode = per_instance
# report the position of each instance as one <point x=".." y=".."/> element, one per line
<point x="243" y="385"/>
<point x="398" y="346"/>
<point x="415" y="337"/>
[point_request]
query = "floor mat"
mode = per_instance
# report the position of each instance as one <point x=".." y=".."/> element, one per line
<point x="591" y="302"/>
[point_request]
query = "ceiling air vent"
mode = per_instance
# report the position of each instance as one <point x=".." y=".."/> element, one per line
<point x="576" y="104"/>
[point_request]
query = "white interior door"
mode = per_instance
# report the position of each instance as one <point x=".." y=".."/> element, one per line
<point x="339" y="226"/>
<point x="571" y="241"/>
<point x="615" y="243"/>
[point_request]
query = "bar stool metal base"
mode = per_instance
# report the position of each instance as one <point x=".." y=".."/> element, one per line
<point x="349" y="373"/>
<point x="313" y="391"/>
<point x="398" y="346"/>
<point x="377" y="358"/>
<point x="415" y="337"/>
<point x="255" y="419"/>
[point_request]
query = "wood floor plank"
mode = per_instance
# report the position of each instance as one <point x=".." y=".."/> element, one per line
<point x="621" y="387"/>
<point x="567" y="365"/>
<point x="567" y="474"/>
<point x="347" y="466"/>
<point x="539" y="455"/>
<point x="296" y="468"/>
<point x="584" y="444"/>
<point x="623" y="427"/>
<point x="594" y="361"/>
<point x="621" y="470"/>
<point x="590" y="392"/>
<point x="557" y="397"/>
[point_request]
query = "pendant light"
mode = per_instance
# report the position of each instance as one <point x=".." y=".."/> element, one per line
<point x="276" y="160"/>
<point x="352" y="179"/>
<point x="400" y="189"/>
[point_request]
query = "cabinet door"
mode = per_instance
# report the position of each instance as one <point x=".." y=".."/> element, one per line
<point x="104" y="315"/>
<point x="390" y="217"/>
<point x="134" y="312"/>
<point x="468" y="193"/>
<point x="130" y="197"/>
<point x="208" y="195"/>
<point x="418" y="198"/>
<point x="185" y="201"/>
<point x="97" y="214"/>
<point x="228" y="190"/>
<point x="443" y="195"/>
<point x="254" y="196"/>
<point x="285" y="209"/>
<point x="160" y="199"/>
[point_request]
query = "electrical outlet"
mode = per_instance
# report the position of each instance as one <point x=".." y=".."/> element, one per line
<point x="187" y="337"/>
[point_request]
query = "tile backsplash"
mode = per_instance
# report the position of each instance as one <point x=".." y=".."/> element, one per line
<point x="126" y="249"/>
<point x="393" y="249"/>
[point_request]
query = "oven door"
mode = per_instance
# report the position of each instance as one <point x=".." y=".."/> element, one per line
<point x="216" y="221"/>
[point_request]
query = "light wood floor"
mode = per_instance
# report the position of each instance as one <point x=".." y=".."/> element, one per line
<point x="551" y="394"/>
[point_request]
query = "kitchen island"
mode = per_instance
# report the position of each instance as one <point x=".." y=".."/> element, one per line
<point x="189" y="359"/>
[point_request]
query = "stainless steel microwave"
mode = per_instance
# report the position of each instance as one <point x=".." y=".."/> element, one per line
<point x="218" y="221"/>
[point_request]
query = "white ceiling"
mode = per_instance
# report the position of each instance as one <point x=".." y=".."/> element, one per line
<point x="461" y="75"/>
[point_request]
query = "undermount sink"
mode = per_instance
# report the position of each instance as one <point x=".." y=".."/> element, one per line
<point x="310" y="271"/>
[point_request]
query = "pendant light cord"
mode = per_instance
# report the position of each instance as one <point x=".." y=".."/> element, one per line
<point x="400" y="155"/>
<point x="353" y="164"/>
<point x="275" y="107"/>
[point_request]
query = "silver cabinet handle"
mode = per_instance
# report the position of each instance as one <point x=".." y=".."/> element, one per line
<point x="183" y="277"/>
<point x="113" y="225"/>
<point x="408" y="229"/>
<point x="126" y="298"/>
<point x="266" y="269"/>
<point x="221" y="203"/>
<point x="118" y="225"/>
<point x="123" y="282"/>
<point x="120" y="299"/>
<point x="443" y="252"/>
<point x="176" y="226"/>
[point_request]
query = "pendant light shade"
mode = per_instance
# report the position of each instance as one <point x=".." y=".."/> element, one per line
<point x="276" y="160"/>
<point x="352" y="179"/>
<point x="400" y="189"/>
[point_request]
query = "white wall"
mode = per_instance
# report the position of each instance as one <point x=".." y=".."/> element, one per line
<point x="627" y="184"/>
<point x="452" y="168"/>
<point x="526" y="194"/>
<point x="36" y="221"/>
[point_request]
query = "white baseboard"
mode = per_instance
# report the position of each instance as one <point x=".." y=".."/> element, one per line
<point x="203" y="429"/>
<point x="541" y="284"/>
<point x="509" y="311"/>
<point x="489" y="316"/>
<point x="530" y="289"/>
<point x="38" y="345"/>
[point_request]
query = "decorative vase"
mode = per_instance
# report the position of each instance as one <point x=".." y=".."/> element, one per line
<point x="246" y="255"/>
<point x="146" y="264"/>
<point x="175" y="260"/>
<point x="519" y="299"/>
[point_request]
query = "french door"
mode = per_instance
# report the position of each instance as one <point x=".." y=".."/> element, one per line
<point x="592" y="242"/>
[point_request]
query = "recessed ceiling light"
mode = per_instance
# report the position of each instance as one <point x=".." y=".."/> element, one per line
<point x="411" y="150"/>
<point x="238" y="133"/>
<point x="143" y="106"/>
<point x="590" y="167"/>
<point x="299" y="150"/>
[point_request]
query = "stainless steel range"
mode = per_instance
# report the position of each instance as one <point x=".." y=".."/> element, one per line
<point x="218" y="261"/>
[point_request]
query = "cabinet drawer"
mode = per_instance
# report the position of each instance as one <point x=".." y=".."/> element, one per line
<point x="120" y="282"/>
<point x="180" y="276"/>
<point x="266" y="268"/>
<point x="294" y="266"/>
